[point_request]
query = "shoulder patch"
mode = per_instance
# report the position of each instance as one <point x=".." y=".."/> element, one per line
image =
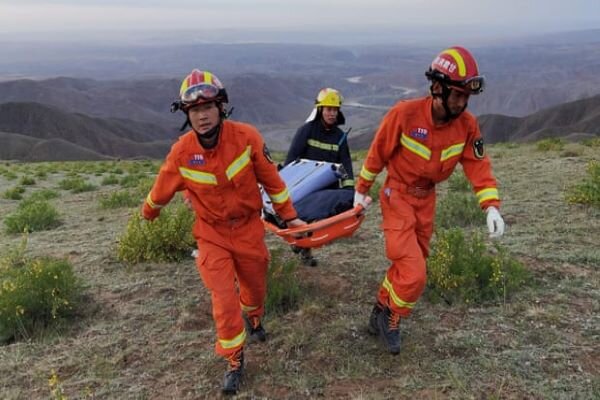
<point x="478" y="150"/>
<point x="267" y="154"/>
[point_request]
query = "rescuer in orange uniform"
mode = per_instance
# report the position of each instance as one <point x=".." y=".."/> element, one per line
<point x="420" y="141"/>
<point x="219" y="163"/>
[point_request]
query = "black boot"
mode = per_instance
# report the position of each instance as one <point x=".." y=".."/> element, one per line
<point x="377" y="309"/>
<point x="255" y="329"/>
<point x="233" y="376"/>
<point x="307" y="258"/>
<point x="388" y="324"/>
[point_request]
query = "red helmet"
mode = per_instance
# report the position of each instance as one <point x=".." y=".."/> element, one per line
<point x="456" y="67"/>
<point x="201" y="87"/>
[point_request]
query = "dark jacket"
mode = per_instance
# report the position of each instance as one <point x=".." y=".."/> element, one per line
<point x="312" y="141"/>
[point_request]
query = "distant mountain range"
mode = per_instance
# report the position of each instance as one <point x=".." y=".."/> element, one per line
<point x="569" y="119"/>
<point x="123" y="111"/>
<point x="36" y="132"/>
<point x="575" y="120"/>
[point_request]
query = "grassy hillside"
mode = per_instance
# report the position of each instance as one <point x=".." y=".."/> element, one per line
<point x="146" y="331"/>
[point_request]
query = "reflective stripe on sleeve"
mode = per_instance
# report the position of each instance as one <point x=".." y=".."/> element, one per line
<point x="367" y="175"/>
<point x="152" y="204"/>
<point x="280" y="197"/>
<point x="487" y="194"/>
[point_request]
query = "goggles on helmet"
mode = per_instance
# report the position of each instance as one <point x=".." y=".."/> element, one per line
<point x="472" y="85"/>
<point x="200" y="92"/>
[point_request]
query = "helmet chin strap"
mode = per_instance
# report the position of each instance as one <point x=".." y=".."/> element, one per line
<point x="449" y="115"/>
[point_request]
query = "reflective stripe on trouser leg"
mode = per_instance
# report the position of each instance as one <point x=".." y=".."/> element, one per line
<point x="407" y="228"/>
<point x="251" y="263"/>
<point x="216" y="267"/>
<point x="405" y="278"/>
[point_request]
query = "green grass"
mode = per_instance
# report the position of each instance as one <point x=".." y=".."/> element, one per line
<point x="150" y="332"/>
<point x="14" y="193"/>
<point x="111" y="179"/>
<point x="167" y="238"/>
<point x="27" y="181"/>
<point x="587" y="191"/>
<point x="284" y="290"/>
<point x="462" y="268"/>
<point x="32" y="216"/>
<point x="119" y="199"/>
<point x="36" y="293"/>
<point x="550" y="144"/>
<point x="76" y="184"/>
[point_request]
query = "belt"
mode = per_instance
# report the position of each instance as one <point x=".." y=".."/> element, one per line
<point x="421" y="189"/>
<point x="233" y="221"/>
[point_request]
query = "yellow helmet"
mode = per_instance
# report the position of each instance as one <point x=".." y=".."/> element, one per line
<point x="329" y="97"/>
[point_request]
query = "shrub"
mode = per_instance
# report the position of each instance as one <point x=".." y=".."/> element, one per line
<point x="111" y="179"/>
<point x="34" y="293"/>
<point x="10" y="175"/>
<point x="462" y="269"/>
<point x="132" y="180"/>
<point x="27" y="181"/>
<point x="32" y="215"/>
<point x="44" y="194"/>
<point x="53" y="168"/>
<point x="144" y="185"/>
<point x="459" y="209"/>
<point x="591" y="142"/>
<point x="572" y="150"/>
<point x="100" y="168"/>
<point x="588" y="190"/>
<point x="119" y="199"/>
<point x="550" y="144"/>
<point x="458" y="182"/>
<point x="76" y="184"/>
<point x="167" y="238"/>
<point x="14" y="193"/>
<point x="283" y="288"/>
<point x="41" y="174"/>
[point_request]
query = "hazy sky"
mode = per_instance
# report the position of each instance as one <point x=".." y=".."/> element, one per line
<point x="316" y="15"/>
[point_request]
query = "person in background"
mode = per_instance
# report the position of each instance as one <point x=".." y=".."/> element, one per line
<point x="219" y="163"/>
<point x="420" y="142"/>
<point x="321" y="139"/>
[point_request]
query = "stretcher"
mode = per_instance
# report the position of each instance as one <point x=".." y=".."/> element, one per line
<point x="302" y="178"/>
<point x="319" y="233"/>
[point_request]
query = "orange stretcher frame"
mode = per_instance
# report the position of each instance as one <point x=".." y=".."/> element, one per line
<point x="321" y="232"/>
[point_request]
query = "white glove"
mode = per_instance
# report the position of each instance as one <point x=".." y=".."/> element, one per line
<point x="495" y="222"/>
<point x="362" y="199"/>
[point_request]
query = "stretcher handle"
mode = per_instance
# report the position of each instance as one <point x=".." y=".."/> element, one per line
<point x="298" y="231"/>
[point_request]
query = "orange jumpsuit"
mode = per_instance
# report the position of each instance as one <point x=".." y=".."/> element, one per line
<point x="417" y="155"/>
<point x="222" y="185"/>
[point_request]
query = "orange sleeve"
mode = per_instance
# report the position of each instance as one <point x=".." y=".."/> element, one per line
<point x="268" y="177"/>
<point x="478" y="169"/>
<point x="383" y="146"/>
<point x="167" y="183"/>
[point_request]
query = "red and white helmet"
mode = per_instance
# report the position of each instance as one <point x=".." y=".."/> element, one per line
<point x="456" y="67"/>
<point x="201" y="87"/>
